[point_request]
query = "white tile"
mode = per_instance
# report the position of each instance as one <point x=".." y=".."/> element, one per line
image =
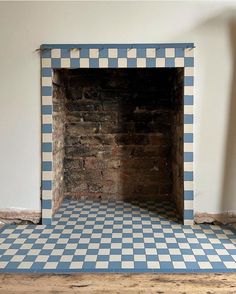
<point x="230" y="264"/>
<point x="127" y="251"/>
<point x="47" y="138"/>
<point x="17" y="258"/>
<point x="46" y="81"/>
<point x="188" y="90"/>
<point x="214" y="258"/>
<point x="204" y="265"/>
<point x="112" y="53"/>
<point x="188" y="185"/>
<point x="42" y="258"/>
<point x="188" y="204"/>
<point x="189" y="71"/>
<point x="66" y="258"/>
<point x="127" y="264"/>
<point x="188" y="109"/>
<point x="46" y="62"/>
<point x="56" y="53"/>
<point x="139" y="257"/>
<point x="188" y="166"/>
<point x="179" y="62"/>
<point x="198" y="252"/>
<point x="76" y="265"/>
<point x="164" y="257"/>
<point x="141" y="62"/>
<point x="122" y="62"/>
<point x="101" y="264"/>
<point x="93" y="53"/>
<point x="170" y="52"/>
<point x="104" y="251"/>
<point x="84" y="62"/>
<point x="74" y="53"/>
<point x="132" y="53"/>
<point x="179" y="265"/>
<point x="189" y="258"/>
<point x="189" y="52"/>
<point x="151" y="52"/>
<point x="47" y="175"/>
<point x="90" y="258"/>
<point x="115" y="257"/>
<point x="46" y="100"/>
<point x="188" y="128"/>
<point x="160" y="62"/>
<point x="153" y="264"/>
<point x="3" y="264"/>
<point x="25" y="265"/>
<point x="65" y="62"/>
<point x="103" y="62"/>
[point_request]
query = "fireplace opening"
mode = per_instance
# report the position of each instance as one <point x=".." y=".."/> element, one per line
<point x="118" y="135"/>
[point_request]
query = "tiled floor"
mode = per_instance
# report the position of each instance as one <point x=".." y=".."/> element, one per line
<point x="104" y="236"/>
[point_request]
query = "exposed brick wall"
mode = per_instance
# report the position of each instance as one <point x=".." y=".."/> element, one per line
<point x="59" y="123"/>
<point x="177" y="141"/>
<point x="119" y="133"/>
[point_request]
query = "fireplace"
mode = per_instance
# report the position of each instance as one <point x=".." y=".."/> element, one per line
<point x="117" y="124"/>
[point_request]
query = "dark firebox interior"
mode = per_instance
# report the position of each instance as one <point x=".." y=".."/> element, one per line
<point x="118" y="134"/>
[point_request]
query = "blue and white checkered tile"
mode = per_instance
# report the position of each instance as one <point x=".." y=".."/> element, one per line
<point x="115" y="56"/>
<point x="88" y="236"/>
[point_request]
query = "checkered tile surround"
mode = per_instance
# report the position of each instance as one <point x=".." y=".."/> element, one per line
<point x="108" y="236"/>
<point x="115" y="56"/>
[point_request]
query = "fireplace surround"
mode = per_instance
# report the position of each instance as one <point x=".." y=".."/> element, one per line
<point x="126" y="100"/>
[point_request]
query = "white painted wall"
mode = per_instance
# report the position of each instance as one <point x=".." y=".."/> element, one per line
<point x="24" y="26"/>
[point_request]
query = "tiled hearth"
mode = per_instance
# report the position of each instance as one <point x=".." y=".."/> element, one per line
<point x="95" y="218"/>
<point x="106" y="236"/>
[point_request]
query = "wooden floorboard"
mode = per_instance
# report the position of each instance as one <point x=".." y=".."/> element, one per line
<point x="118" y="283"/>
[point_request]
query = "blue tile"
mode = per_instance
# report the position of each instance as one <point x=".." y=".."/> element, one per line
<point x="141" y="53"/>
<point x="46" y="147"/>
<point x="188" y="195"/>
<point x="46" y="109"/>
<point x="56" y="63"/>
<point x="47" y="185"/>
<point x="47" y="166"/>
<point x="131" y="62"/>
<point x="74" y="63"/>
<point x="170" y="62"/>
<point x="188" y="156"/>
<point x="188" y="81"/>
<point x="179" y="52"/>
<point x="103" y="53"/>
<point x="188" y="138"/>
<point x="188" y="118"/>
<point x="46" y="53"/>
<point x="46" y="91"/>
<point x="65" y="53"/>
<point x="188" y="99"/>
<point x="93" y="63"/>
<point x="122" y="53"/>
<point x="150" y="62"/>
<point x="47" y="128"/>
<point x="46" y="72"/>
<point x="188" y="176"/>
<point x="84" y="53"/>
<point x="46" y="204"/>
<point x="160" y="53"/>
<point x="188" y="61"/>
<point x="188" y="214"/>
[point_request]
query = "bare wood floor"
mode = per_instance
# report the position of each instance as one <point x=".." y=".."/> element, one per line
<point x="118" y="283"/>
